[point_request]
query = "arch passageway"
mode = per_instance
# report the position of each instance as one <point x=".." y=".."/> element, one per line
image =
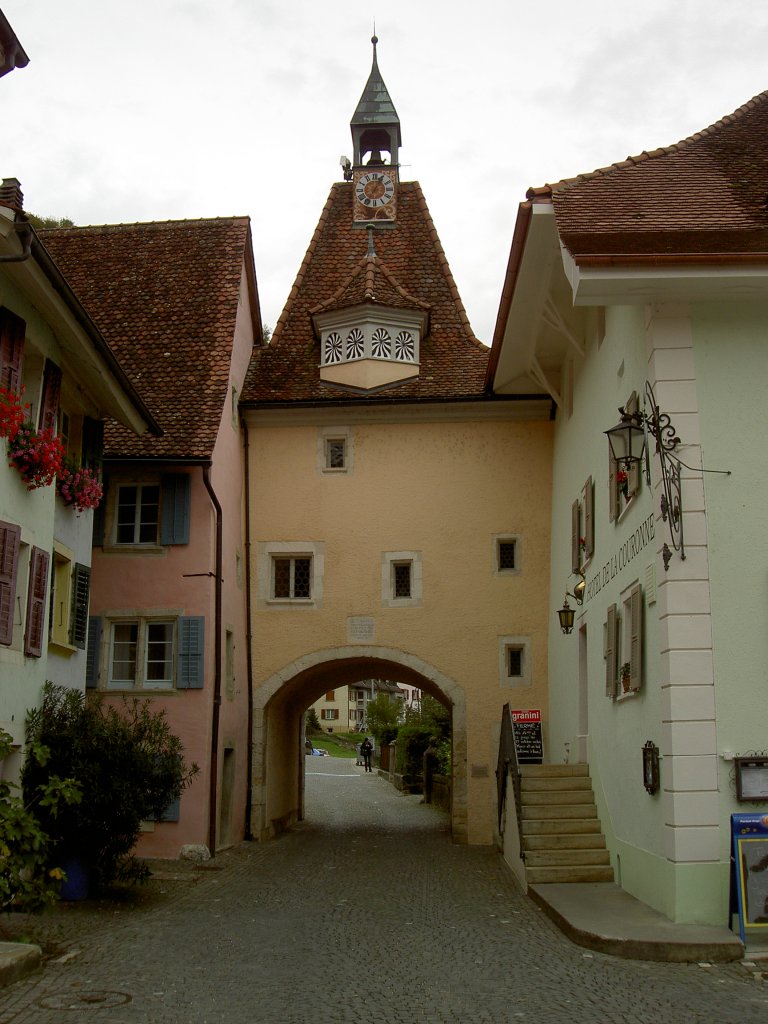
<point x="280" y="702"/>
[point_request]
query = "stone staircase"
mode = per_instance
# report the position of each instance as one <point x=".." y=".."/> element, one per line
<point x="561" y="833"/>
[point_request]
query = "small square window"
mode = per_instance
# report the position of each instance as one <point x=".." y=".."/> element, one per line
<point x="292" y="578"/>
<point x="506" y="554"/>
<point x="515" y="662"/>
<point x="335" y="453"/>
<point x="401" y="579"/>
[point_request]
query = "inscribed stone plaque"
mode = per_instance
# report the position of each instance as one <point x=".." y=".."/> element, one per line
<point x="361" y="629"/>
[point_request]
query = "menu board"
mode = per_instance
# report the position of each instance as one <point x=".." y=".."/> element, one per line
<point x="750" y="848"/>
<point x="528" y="740"/>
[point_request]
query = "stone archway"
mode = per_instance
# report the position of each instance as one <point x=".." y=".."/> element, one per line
<point x="280" y="701"/>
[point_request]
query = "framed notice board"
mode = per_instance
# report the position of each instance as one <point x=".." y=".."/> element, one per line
<point x="750" y="860"/>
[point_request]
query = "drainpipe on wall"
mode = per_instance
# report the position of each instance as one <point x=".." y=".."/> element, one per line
<point x="248" y="631"/>
<point x="214" y="766"/>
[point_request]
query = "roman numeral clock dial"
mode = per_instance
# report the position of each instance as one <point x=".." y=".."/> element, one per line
<point x="374" y="196"/>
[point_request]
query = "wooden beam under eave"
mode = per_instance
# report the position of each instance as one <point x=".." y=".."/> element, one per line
<point x="541" y="379"/>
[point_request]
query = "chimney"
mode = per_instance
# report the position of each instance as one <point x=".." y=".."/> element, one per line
<point x="11" y="194"/>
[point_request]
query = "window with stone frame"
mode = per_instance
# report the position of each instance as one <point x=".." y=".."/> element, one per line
<point x="583" y="527"/>
<point x="292" y="577"/>
<point x="624" y="644"/>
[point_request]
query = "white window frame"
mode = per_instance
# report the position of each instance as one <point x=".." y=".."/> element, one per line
<point x="267" y="551"/>
<point x="517" y="643"/>
<point x="389" y="559"/>
<point x="327" y="436"/>
<point x="134" y="543"/>
<point x="140" y="682"/>
<point x="291" y="559"/>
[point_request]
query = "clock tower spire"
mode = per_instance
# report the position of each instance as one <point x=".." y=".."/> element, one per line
<point x="375" y="135"/>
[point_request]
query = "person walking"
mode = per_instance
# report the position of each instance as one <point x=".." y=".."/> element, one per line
<point x="366" y="749"/>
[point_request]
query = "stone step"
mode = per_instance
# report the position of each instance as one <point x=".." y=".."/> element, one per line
<point x="570" y="827"/>
<point x="551" y="782"/>
<point x="540" y="876"/>
<point x="557" y="796"/>
<point x="561" y="771"/>
<point x="593" y="841"/>
<point x="538" y="812"/>
<point x="565" y="858"/>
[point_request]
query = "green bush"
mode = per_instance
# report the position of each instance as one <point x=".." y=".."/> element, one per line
<point x="127" y="762"/>
<point x="412" y="741"/>
<point x="28" y="880"/>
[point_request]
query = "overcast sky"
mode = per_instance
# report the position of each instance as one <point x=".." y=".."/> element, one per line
<point x="132" y="110"/>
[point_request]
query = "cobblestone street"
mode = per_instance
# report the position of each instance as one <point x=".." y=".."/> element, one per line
<point x="365" y="912"/>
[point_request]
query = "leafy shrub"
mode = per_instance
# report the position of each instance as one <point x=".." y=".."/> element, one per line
<point x="127" y="762"/>
<point x="27" y="878"/>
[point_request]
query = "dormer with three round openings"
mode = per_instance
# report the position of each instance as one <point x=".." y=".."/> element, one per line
<point x="370" y="330"/>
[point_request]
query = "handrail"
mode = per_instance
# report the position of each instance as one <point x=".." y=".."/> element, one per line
<point x="508" y="764"/>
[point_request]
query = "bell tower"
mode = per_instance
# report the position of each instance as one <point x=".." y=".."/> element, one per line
<point x="375" y="134"/>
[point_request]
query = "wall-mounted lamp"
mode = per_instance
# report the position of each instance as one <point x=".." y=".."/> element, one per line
<point x="567" y="616"/>
<point x="629" y="445"/>
<point x="651" y="766"/>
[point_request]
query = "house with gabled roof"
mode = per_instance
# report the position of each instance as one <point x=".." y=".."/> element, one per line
<point x="59" y="380"/>
<point x="394" y="504"/>
<point x="638" y="293"/>
<point x="179" y="305"/>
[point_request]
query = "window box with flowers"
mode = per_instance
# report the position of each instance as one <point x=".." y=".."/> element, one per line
<point x="78" y="486"/>
<point x="12" y="413"/>
<point x="37" y="455"/>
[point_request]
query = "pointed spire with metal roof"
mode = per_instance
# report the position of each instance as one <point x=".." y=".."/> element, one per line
<point x="375" y="124"/>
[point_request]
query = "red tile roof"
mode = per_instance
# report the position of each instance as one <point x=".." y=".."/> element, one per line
<point x="410" y="271"/>
<point x="705" y="195"/>
<point x="165" y="296"/>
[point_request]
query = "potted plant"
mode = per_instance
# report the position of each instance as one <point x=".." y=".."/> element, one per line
<point x="37" y="456"/>
<point x="622" y="483"/>
<point x="625" y="673"/>
<point x="78" y="486"/>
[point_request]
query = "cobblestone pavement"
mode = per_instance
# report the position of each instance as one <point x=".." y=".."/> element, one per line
<point x="365" y="912"/>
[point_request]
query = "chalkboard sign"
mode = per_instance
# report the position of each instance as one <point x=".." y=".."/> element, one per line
<point x="528" y="741"/>
<point x="750" y="860"/>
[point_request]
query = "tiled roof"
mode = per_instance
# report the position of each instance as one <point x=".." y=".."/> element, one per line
<point x="410" y="271"/>
<point x="705" y="195"/>
<point x="165" y="296"/>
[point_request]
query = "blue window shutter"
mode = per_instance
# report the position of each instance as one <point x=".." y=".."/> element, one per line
<point x="93" y="648"/>
<point x="191" y="664"/>
<point x="176" y="496"/>
<point x="172" y="812"/>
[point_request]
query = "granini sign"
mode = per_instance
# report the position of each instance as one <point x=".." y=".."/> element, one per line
<point x="631" y="547"/>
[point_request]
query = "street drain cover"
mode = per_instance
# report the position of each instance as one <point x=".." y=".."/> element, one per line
<point x="92" y="1000"/>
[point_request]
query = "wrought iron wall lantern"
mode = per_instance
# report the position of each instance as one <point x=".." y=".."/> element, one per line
<point x="629" y="447"/>
<point x="651" y="766"/>
<point x="566" y="614"/>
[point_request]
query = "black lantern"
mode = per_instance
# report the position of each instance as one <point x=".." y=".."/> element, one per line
<point x="627" y="439"/>
<point x="567" y="615"/>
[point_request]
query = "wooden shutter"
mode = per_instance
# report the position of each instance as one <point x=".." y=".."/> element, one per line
<point x="49" y="402"/>
<point x="634" y="471"/>
<point x="611" y="665"/>
<point x="636" y="637"/>
<point x="93" y="443"/>
<point x="93" y="648"/>
<point x="12" y="331"/>
<point x="10" y="539"/>
<point x="575" y="537"/>
<point x="176" y="499"/>
<point x="37" y="594"/>
<point x="589" y="518"/>
<point x="191" y="664"/>
<point x="81" y="586"/>
<point x="613" y="489"/>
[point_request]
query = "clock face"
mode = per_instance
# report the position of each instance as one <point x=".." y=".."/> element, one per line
<point x="375" y="188"/>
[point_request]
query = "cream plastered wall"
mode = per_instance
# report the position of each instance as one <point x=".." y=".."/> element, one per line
<point x="435" y="486"/>
<point x="730" y="350"/>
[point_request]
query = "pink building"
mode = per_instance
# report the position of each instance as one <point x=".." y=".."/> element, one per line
<point x="178" y="303"/>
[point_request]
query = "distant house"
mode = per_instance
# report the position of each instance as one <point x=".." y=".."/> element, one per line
<point x="58" y="374"/>
<point x="344" y="709"/>
<point x="178" y="303"/>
